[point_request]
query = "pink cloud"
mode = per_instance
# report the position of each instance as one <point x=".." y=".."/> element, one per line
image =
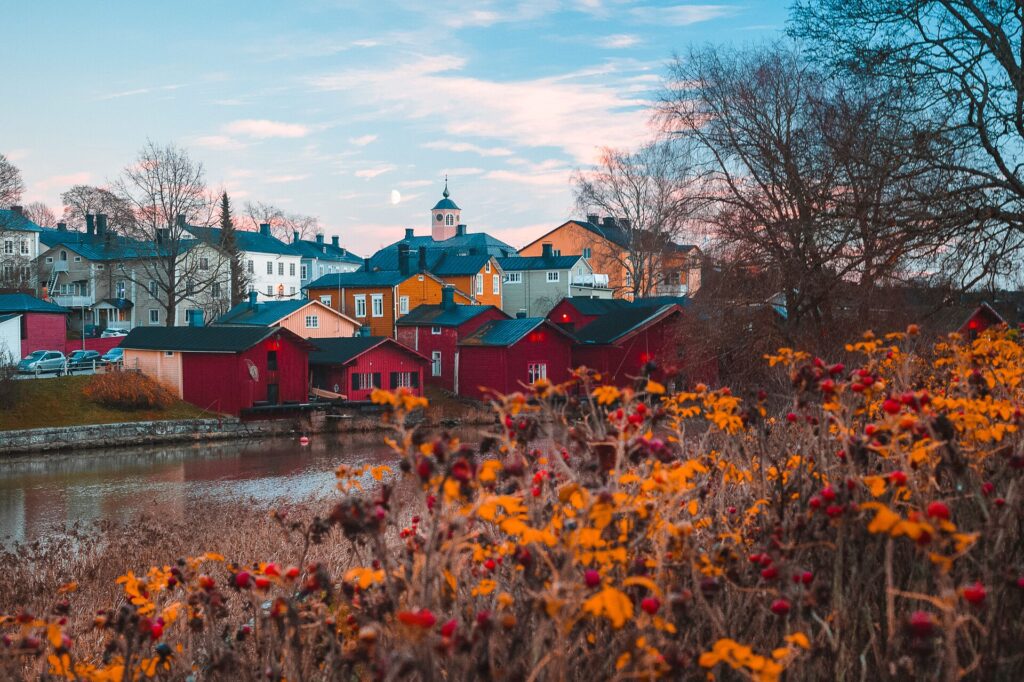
<point x="262" y="128"/>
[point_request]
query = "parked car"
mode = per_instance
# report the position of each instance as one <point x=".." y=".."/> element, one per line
<point x="83" y="359"/>
<point x="43" y="361"/>
<point x="111" y="333"/>
<point x="114" y="356"/>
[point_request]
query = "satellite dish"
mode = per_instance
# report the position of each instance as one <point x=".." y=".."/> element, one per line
<point x="254" y="371"/>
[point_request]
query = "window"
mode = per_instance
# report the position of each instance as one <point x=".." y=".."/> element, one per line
<point x="280" y="269"/>
<point x="302" y="271"/>
<point x="536" y="370"/>
<point x="672" y="278"/>
<point x="405" y="380"/>
<point x="249" y="267"/>
<point x="586" y="253"/>
<point x="513" y="278"/>
<point x="403" y="305"/>
<point x="78" y="259"/>
<point x="8" y="247"/>
<point x="326" y="300"/>
<point x="215" y="289"/>
<point x="190" y="288"/>
<point x="63" y="255"/>
<point x="152" y="288"/>
<point x="629" y="280"/>
<point x="365" y="381"/>
<point x="449" y="220"/>
<point x="270" y="290"/>
<point x="154" y="316"/>
<point x="291" y="290"/>
<point x="321" y="269"/>
<point x="204" y="263"/>
<point x="377" y="301"/>
<point x="291" y="269"/>
<point x="435" y="363"/>
<point x="435" y="330"/>
<point x="24" y="250"/>
<point x="556" y="252"/>
<point x="360" y="305"/>
<point x="168" y="354"/>
<point x="119" y="289"/>
<point x="271" y="360"/>
<point x="312" y="321"/>
<point x="495" y="284"/>
<point x="270" y="267"/>
<point x="49" y="259"/>
<point x="553" y="276"/>
<point x="479" y="285"/>
<point x="487" y="266"/>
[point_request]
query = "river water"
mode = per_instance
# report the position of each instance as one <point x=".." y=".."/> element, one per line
<point x="41" y="492"/>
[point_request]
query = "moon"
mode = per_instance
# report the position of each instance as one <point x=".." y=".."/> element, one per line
<point x="396" y="197"/>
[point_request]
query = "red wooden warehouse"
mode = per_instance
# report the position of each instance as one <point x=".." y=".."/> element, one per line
<point x="576" y="312"/>
<point x="434" y="332"/>
<point x="229" y="370"/>
<point x="505" y="355"/>
<point x="354" y="366"/>
<point x="44" y="325"/>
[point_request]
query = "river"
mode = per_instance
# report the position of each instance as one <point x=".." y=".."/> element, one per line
<point x="39" y="493"/>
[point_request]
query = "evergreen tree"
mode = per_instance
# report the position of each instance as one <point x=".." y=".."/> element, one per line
<point x="229" y="242"/>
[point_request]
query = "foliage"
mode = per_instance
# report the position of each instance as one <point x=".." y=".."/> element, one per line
<point x="128" y="390"/>
<point x="872" y="531"/>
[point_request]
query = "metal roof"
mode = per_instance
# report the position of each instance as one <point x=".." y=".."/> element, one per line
<point x="223" y="339"/>
<point x="610" y="328"/>
<point x="436" y="315"/>
<point x="262" y="314"/>
<point x="360" y="278"/>
<point x="446" y="204"/>
<point x="341" y="351"/>
<point x="505" y="332"/>
<point x="596" y="306"/>
<point x="458" y="245"/>
<point x="309" y="248"/>
<point x="246" y="240"/>
<point x="24" y="303"/>
<point x="516" y="263"/>
<point x="106" y="247"/>
<point x="12" y="220"/>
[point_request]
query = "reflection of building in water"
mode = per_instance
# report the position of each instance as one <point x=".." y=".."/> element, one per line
<point x="12" y="514"/>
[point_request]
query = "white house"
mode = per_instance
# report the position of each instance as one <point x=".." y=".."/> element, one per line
<point x="272" y="268"/>
<point x="10" y="338"/>
<point x="19" y="248"/>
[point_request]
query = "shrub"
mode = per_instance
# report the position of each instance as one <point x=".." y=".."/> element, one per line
<point x="128" y="390"/>
<point x="871" y="530"/>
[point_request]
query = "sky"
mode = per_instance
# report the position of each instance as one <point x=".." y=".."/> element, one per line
<point x="338" y="109"/>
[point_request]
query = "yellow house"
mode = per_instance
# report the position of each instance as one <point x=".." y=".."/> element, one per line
<point x="309" y="319"/>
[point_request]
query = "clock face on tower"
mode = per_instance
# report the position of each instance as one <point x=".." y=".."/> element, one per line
<point x="440" y="217"/>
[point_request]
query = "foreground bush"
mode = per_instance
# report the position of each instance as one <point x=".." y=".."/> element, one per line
<point x="871" y="530"/>
<point x="128" y="390"/>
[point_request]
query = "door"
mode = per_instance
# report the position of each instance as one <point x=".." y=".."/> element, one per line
<point x="272" y="394"/>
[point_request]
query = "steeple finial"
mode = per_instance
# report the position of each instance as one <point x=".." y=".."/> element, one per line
<point x="445" y="192"/>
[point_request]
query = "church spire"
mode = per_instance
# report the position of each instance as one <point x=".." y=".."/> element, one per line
<point x="445" y="192"/>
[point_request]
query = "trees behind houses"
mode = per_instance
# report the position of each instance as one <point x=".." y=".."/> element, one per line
<point x="229" y="244"/>
<point x="82" y="200"/>
<point x="282" y="225"/>
<point x="11" y="184"/>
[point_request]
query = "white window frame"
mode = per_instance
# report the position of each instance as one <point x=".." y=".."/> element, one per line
<point x="449" y="220"/>
<point x="479" y="284"/>
<point x="120" y="287"/>
<point x="557" y="276"/>
<point x="404" y="379"/>
<point x="9" y="247"/>
<point x="435" y="363"/>
<point x="326" y="300"/>
<point x="280" y="268"/>
<point x="312" y="321"/>
<point x="360" y="304"/>
<point x="49" y="259"/>
<point x="377" y="305"/>
<point x="436" y="331"/>
<point x="536" y="370"/>
<point x="270" y="290"/>
<point x="403" y="305"/>
<point x="487" y="267"/>
<point x="154" y="316"/>
<point x="270" y="267"/>
<point x="78" y="259"/>
<point x="513" y="278"/>
<point x="291" y="269"/>
<point x="303" y="271"/>
<point x="250" y="267"/>
<point x="495" y="284"/>
<point x="587" y="252"/>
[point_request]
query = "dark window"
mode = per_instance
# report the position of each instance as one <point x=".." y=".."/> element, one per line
<point x="355" y="381"/>
<point x="272" y="360"/>
<point x="273" y="395"/>
<point x="376" y="380"/>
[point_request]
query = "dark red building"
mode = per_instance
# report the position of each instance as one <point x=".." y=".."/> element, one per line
<point x="224" y="369"/>
<point x="983" y="317"/>
<point x="354" y="366"/>
<point x="621" y="343"/>
<point x="576" y="312"/>
<point x="505" y="355"/>
<point x="44" y="325"/>
<point x="434" y="332"/>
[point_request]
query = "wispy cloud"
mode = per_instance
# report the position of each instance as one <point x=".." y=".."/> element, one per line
<point x="462" y="171"/>
<point x="415" y="183"/>
<point x="262" y="128"/>
<point x="222" y="142"/>
<point x="368" y="173"/>
<point x="682" y="15"/>
<point x="15" y="155"/>
<point x="362" y="140"/>
<point x="620" y="41"/>
<point x="276" y="179"/>
<point x="450" y="146"/>
<point x="139" y="91"/>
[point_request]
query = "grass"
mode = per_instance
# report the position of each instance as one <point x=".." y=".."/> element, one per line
<point x="59" y="402"/>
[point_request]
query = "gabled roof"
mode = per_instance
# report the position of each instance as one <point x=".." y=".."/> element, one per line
<point x="309" y="248"/>
<point x="439" y="262"/>
<point x="360" y="278"/>
<point x="341" y="351"/>
<point x="5" y="318"/>
<point x="508" y="332"/>
<point x="12" y="220"/>
<point x="266" y="313"/>
<point x="105" y="247"/>
<point x="452" y="266"/>
<point x="436" y="315"/>
<point x="596" y="306"/>
<point x="611" y="328"/>
<point x="247" y="240"/>
<point x="24" y="303"/>
<point x="613" y="233"/>
<point x="516" y="263"/>
<point x="224" y="339"/>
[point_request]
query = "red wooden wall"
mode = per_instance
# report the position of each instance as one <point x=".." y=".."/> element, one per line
<point x="99" y="345"/>
<point x="383" y="360"/>
<point x="568" y="317"/>
<point x="505" y="369"/>
<point x="43" y="331"/>
<point x="423" y="342"/>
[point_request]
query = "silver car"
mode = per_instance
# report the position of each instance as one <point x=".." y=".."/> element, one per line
<point x="43" y="361"/>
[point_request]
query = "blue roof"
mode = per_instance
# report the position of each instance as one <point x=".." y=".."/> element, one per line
<point x="261" y="314"/>
<point x="360" y="278"/>
<point x="246" y="240"/>
<point x="459" y="245"/>
<point x="439" y="262"/>
<point x="309" y="248"/>
<point x="516" y="263"/>
<point x="24" y="303"/>
<point x="596" y="306"/>
<point x="436" y="315"/>
<point x="504" y="332"/>
<point x="104" y="247"/>
<point x="12" y="220"/>
<point x="610" y="328"/>
<point x="450" y="265"/>
<point x="446" y="203"/>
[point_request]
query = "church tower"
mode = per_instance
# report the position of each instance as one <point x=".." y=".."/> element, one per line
<point x="444" y="217"/>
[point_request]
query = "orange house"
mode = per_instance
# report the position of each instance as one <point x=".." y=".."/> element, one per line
<point x="605" y="243"/>
<point x="378" y="298"/>
<point x="479" y="276"/>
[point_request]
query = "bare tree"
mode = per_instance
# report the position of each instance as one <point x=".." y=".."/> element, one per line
<point x="166" y="190"/>
<point x="83" y="200"/>
<point x="40" y="214"/>
<point x="655" y="193"/>
<point x="282" y="225"/>
<point x="11" y="184"/>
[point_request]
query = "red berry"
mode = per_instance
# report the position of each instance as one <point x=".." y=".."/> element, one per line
<point x="975" y="594"/>
<point x="592" y="578"/>
<point x="449" y="628"/>
<point x="242" y="579"/>
<point x="1020" y="582"/>
<point x="836" y="369"/>
<point x="262" y="582"/>
<point x="424" y="467"/>
<point x="898" y="478"/>
<point x="891" y="406"/>
<point x="921" y="624"/>
<point x="770" y="573"/>
<point x="834" y="510"/>
<point x="650" y="605"/>
<point x="987" y="487"/>
<point x="489" y="564"/>
<point x="156" y="630"/>
<point x="791" y="417"/>
<point x="206" y="582"/>
<point x="535" y="491"/>
<point x="483" y="618"/>
<point x="815" y="502"/>
<point x="731" y="510"/>
<point x="292" y="573"/>
<point x="806" y="577"/>
<point x="999" y="501"/>
<point x="828" y="493"/>
<point x="271" y="569"/>
<point x="780" y="607"/>
<point x="938" y="510"/>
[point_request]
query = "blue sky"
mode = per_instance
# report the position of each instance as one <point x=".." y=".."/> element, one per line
<point x="325" y="107"/>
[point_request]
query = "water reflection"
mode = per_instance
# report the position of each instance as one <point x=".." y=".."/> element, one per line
<point x="40" y="492"/>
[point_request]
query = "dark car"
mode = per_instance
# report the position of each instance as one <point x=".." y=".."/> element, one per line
<point x="114" y="356"/>
<point x="83" y="359"/>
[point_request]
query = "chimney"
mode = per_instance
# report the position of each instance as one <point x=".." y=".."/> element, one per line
<point x="473" y="251"/>
<point x="295" y="236"/>
<point x="366" y="264"/>
<point x="594" y="218"/>
<point x="609" y="221"/>
<point x="320" y="239"/>
<point x="365" y="331"/>
<point x="547" y="250"/>
<point x="521" y="314"/>
<point x="101" y="224"/>
<point x="403" y="258"/>
<point x="448" y="297"/>
<point x="181" y="221"/>
<point x="423" y="258"/>
<point x="20" y="210"/>
<point x="334" y="241"/>
<point x="408" y="233"/>
<point x="62" y="227"/>
<point x="195" y="318"/>
<point x="90" y="224"/>
<point x="460" y="231"/>
<point x="265" y="229"/>
<point x="252" y="299"/>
